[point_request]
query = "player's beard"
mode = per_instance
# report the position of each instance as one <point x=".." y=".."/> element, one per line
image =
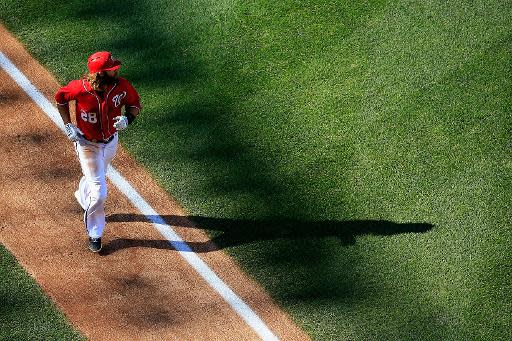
<point x="107" y="80"/>
<point x="101" y="80"/>
<point x="104" y="80"/>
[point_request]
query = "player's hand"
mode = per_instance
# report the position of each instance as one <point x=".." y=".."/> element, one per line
<point x="73" y="133"/>
<point x="121" y="122"/>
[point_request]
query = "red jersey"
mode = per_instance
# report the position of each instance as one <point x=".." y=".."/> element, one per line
<point x="95" y="111"/>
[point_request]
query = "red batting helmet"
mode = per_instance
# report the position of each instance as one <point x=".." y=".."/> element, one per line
<point x="102" y="61"/>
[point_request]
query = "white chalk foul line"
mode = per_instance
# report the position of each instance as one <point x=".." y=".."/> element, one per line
<point x="236" y="303"/>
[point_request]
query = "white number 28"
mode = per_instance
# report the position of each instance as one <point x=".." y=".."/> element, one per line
<point x="89" y="116"/>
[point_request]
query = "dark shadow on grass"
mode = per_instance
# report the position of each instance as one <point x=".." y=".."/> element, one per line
<point x="235" y="232"/>
<point x="151" y="56"/>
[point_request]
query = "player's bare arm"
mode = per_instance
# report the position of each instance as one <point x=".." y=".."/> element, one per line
<point x="64" y="112"/>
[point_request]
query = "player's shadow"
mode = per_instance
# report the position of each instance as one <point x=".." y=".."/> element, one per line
<point x="233" y="232"/>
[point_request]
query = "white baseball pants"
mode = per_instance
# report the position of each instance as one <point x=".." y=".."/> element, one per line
<point x="92" y="189"/>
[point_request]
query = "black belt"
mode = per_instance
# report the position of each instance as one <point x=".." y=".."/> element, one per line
<point x="101" y="141"/>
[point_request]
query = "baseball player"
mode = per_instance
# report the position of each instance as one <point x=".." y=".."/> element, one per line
<point x="99" y="98"/>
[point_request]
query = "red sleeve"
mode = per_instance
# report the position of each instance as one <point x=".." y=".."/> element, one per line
<point x="132" y="98"/>
<point x="67" y="93"/>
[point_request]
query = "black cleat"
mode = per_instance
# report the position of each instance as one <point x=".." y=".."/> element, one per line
<point x="95" y="244"/>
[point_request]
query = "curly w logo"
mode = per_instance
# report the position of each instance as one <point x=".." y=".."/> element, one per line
<point x="118" y="98"/>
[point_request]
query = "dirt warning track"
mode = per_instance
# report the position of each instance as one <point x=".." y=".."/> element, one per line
<point x="140" y="288"/>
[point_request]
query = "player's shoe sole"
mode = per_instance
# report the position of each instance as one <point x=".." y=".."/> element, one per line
<point x="95" y="244"/>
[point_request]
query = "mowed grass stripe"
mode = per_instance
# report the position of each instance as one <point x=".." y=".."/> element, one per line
<point x="275" y="123"/>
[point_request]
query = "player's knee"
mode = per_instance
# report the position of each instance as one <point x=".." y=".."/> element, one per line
<point x="98" y="195"/>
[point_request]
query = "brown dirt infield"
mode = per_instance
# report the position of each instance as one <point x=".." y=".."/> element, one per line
<point x="140" y="288"/>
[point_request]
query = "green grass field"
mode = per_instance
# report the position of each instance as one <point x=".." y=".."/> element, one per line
<point x="25" y="313"/>
<point x="309" y="137"/>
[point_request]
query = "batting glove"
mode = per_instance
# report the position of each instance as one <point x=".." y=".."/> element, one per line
<point x="73" y="133"/>
<point x="121" y="122"/>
